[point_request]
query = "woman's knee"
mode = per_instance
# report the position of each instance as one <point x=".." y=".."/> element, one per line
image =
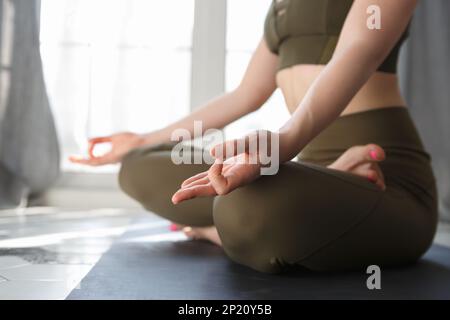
<point x="141" y="175"/>
<point x="245" y="231"/>
<point x="266" y="224"/>
<point x="150" y="177"/>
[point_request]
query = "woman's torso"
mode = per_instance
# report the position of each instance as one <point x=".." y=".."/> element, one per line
<point x="381" y="90"/>
<point x="304" y="34"/>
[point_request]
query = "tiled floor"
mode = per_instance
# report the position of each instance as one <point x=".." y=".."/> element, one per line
<point x="45" y="252"/>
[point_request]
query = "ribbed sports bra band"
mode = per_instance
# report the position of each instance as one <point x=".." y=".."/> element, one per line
<point x="307" y="32"/>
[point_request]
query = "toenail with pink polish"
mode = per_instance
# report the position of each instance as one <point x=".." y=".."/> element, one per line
<point x="373" y="155"/>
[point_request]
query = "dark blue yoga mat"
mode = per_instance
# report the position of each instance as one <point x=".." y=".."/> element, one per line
<point x="198" y="270"/>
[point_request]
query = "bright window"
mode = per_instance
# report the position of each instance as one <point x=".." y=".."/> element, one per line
<point x="113" y="65"/>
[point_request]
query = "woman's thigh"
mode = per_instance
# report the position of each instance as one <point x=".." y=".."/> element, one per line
<point x="318" y="218"/>
<point x="149" y="176"/>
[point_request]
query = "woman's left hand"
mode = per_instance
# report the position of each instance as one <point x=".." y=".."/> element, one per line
<point x="220" y="179"/>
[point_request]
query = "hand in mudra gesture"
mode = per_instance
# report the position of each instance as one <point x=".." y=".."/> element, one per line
<point x="224" y="176"/>
<point x="121" y="144"/>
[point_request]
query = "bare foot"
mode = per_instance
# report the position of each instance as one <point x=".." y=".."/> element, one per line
<point x="363" y="161"/>
<point x="199" y="233"/>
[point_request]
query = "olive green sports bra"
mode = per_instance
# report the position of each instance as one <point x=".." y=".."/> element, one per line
<point x="307" y="31"/>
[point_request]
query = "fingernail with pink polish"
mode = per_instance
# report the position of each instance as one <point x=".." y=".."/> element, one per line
<point x="173" y="227"/>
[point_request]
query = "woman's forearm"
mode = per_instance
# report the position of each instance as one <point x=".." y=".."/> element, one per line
<point x="216" y="114"/>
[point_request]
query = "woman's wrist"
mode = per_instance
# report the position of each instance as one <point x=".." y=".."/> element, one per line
<point x="154" y="137"/>
<point x="290" y="144"/>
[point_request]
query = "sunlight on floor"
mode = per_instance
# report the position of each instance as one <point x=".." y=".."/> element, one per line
<point x="45" y="252"/>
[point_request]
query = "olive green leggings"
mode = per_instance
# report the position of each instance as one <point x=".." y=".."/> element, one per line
<point x="308" y="215"/>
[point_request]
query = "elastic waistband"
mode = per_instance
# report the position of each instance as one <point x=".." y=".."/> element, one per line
<point x="390" y="127"/>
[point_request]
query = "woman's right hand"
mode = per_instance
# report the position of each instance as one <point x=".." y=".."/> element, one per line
<point x="121" y="144"/>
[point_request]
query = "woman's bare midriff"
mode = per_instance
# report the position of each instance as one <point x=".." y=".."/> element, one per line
<point x="381" y="90"/>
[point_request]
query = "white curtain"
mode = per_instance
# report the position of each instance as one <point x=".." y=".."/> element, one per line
<point x="113" y="65"/>
<point x="29" y="153"/>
